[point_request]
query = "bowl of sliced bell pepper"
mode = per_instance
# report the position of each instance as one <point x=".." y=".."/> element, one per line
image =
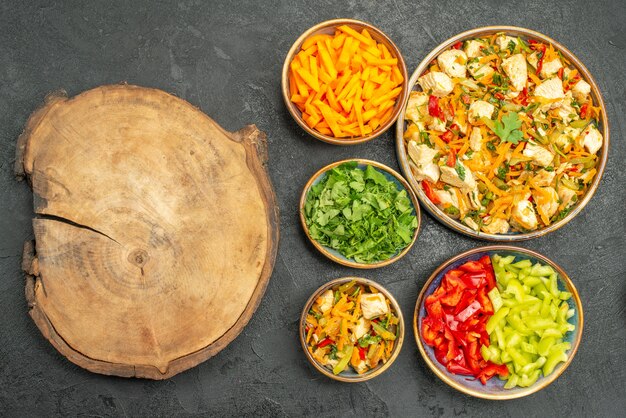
<point x="498" y="322"/>
<point x="351" y="329"/>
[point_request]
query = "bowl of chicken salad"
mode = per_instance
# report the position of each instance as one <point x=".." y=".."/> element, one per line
<point x="504" y="136"/>
<point x="351" y="329"/>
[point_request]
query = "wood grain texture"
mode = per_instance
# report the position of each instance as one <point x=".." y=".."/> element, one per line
<point x="156" y="230"/>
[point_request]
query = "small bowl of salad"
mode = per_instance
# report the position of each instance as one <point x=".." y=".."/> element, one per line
<point x="498" y="322"/>
<point x="360" y="213"/>
<point x="504" y="135"/>
<point x="351" y="329"/>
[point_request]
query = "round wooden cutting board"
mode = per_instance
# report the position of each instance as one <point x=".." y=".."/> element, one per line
<point x="155" y="232"/>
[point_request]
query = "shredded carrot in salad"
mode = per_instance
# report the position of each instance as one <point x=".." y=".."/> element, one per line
<point x="351" y="325"/>
<point x="503" y="134"/>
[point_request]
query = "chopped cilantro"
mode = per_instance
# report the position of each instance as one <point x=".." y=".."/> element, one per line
<point x="491" y="146"/>
<point x="367" y="339"/>
<point x="333" y="352"/>
<point x="549" y="168"/>
<point x="460" y="170"/>
<point x="451" y="210"/>
<point x="508" y="129"/>
<point x="426" y="139"/>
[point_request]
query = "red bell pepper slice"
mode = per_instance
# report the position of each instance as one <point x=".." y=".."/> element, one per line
<point x="473" y="267"/>
<point x="466" y="313"/>
<point x="474" y="280"/>
<point x="451" y="161"/>
<point x="458" y="369"/>
<point x="466" y="299"/>
<point x="325" y="342"/>
<point x="583" y="111"/>
<point x="362" y="353"/>
<point x="434" y="109"/>
<point x="457" y="45"/>
<point x="429" y="192"/>
<point x="447" y="136"/>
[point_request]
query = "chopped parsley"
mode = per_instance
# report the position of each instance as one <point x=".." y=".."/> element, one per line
<point x="460" y="170"/>
<point x="508" y="129"/>
<point x="360" y="213"/>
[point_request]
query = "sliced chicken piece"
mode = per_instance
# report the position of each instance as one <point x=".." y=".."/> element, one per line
<point x="592" y="139"/>
<point x="436" y="82"/>
<point x="517" y="71"/>
<point x="503" y="41"/>
<point x="417" y="108"/>
<point x="452" y="62"/>
<point x="451" y="176"/>
<point x="478" y="70"/>
<point x="471" y="223"/>
<point x="422" y="157"/>
<point x="581" y="90"/>
<point x="325" y="301"/>
<point x="362" y="327"/>
<point x="523" y="214"/>
<point x="479" y="109"/>
<point x="472" y="48"/>
<point x="373" y="305"/>
<point x="539" y="154"/>
<point x="550" y="68"/>
<point x="567" y="196"/>
<point x="551" y="89"/>
<point x="476" y="139"/>
<point x="544" y="178"/>
<point x="493" y="225"/>
<point x="547" y="201"/>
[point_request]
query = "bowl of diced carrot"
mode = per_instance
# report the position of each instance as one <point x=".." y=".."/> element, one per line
<point x="344" y="81"/>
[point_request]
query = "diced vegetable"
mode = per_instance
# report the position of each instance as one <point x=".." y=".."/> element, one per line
<point x="338" y="335"/>
<point x="531" y="321"/>
<point x="455" y="322"/>
<point x="346" y="85"/>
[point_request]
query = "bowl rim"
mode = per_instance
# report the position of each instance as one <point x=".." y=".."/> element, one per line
<point x="504" y="395"/>
<point x="397" y="346"/>
<point x="457" y="225"/>
<point x="295" y="112"/>
<point x="345" y="261"/>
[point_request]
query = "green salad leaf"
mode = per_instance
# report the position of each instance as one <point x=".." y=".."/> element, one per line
<point x="508" y="129"/>
<point x="360" y="213"/>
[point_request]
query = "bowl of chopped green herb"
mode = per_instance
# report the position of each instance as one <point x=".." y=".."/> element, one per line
<point x="360" y="213"/>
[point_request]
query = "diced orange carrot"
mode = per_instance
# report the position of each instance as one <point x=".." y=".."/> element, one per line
<point x="312" y="40"/>
<point x="327" y="61"/>
<point x="349" y="31"/>
<point x="308" y="78"/>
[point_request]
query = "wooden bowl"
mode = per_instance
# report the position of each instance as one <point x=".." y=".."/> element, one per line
<point x="350" y="375"/>
<point x="334" y="255"/>
<point x="328" y="26"/>
<point x="456" y="225"/>
<point x="494" y="389"/>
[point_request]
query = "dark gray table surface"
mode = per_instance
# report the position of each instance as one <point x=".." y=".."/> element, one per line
<point x="226" y="59"/>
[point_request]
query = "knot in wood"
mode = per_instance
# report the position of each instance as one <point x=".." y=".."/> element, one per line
<point x="138" y="257"/>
